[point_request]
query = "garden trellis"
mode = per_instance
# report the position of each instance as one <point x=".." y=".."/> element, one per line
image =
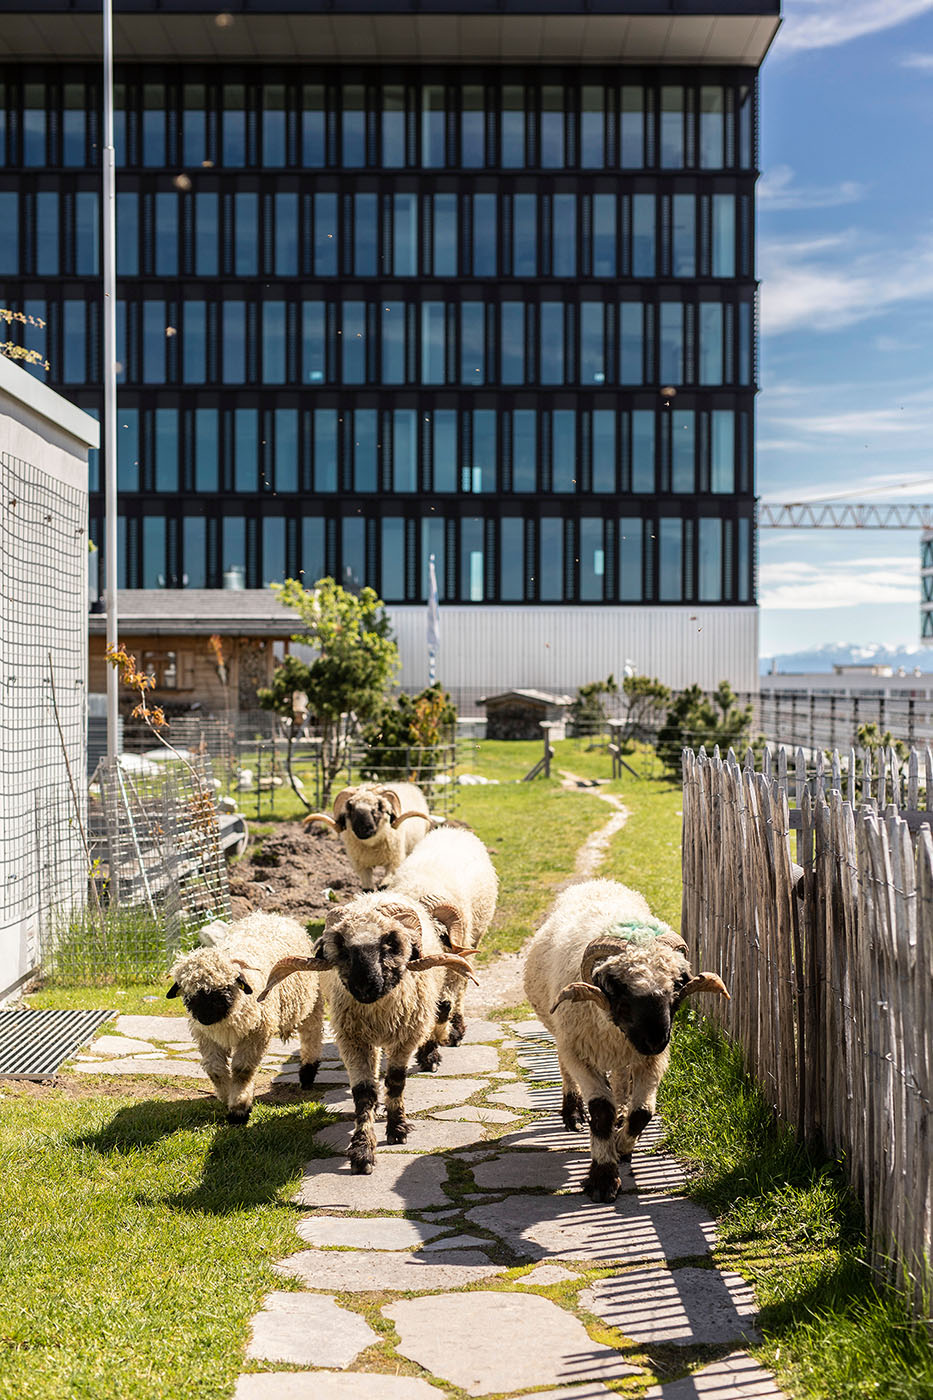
<point x="829" y="958"/>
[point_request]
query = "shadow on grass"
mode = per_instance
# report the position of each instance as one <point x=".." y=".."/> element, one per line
<point x="243" y="1167"/>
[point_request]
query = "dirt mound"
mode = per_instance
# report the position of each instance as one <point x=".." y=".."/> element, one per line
<point x="289" y="871"/>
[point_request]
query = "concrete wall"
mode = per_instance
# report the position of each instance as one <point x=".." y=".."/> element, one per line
<point x="484" y="650"/>
<point x="44" y="442"/>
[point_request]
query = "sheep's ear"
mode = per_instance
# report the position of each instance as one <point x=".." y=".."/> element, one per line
<point x="451" y="918"/>
<point x="318" y="950"/>
<point x="173" y="991"/>
<point x="244" y="985"/>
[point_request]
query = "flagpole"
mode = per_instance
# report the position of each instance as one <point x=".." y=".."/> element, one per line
<point x="433" y="622"/>
<point x="110" y="382"/>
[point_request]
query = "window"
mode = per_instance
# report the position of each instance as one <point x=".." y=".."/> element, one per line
<point x="670" y="559"/>
<point x="445" y="235"/>
<point x="524" y="235"/>
<point x="433" y="125"/>
<point x="393" y="342"/>
<point x="206" y="450"/>
<point x="34" y="123"/>
<point x="632" y="106"/>
<point x="592" y="560"/>
<point x="592" y="343"/>
<point x="405" y="235"/>
<point x="365" y="458"/>
<point x="365" y="234"/>
<point x="325" y="235"/>
<point x="433" y="341"/>
<point x="234" y="546"/>
<point x="552" y="127"/>
<point x="604" y="235"/>
<point x="551" y="354"/>
<point x="74" y="327"/>
<point x="512" y="559"/>
<point x="154" y="342"/>
<point x="524" y="450"/>
<point x="604" y="450"/>
<point x="564" y="450"/>
<point x="47" y="234"/>
<point x="711" y="342"/>
<point x="314" y="358"/>
<point x="194" y="552"/>
<point x="353" y="554"/>
<point x="313" y="125"/>
<point x="551" y="560"/>
<point x="683" y="433"/>
<point x="194" y="342"/>
<point x="631" y="342"/>
<point x="9" y="222"/>
<point x="353" y="125"/>
<point x="672" y="342"/>
<point x="745" y="348"/>
<point x="393" y="125"/>
<point x="313" y="553"/>
<point x="712" y="117"/>
<point x="643" y="451"/>
<point x="744" y="560"/>
<point x="473" y="127"/>
<point x="325" y="449"/>
<point x="273" y="124"/>
<point x="723" y="235"/>
<point x="353" y="343"/>
<point x="166" y="449"/>
<point x="87" y="233"/>
<point x="74" y="124"/>
<point x="128" y="449"/>
<point x="630" y="559"/>
<point x="722" y="450"/>
<point x="393" y="558"/>
<point x="472" y="343"/>
<point x="194" y="128"/>
<point x="246" y="247"/>
<point x="485" y="241"/>
<point x="471" y="560"/>
<point x="745" y="139"/>
<point x="512" y="342"/>
<point x="672" y="127"/>
<point x="710" y="560"/>
<point x="245" y="449"/>
<point x="483" y="475"/>
<point x="273" y="550"/>
<point x="286" y="449"/>
<point x="166" y="235"/>
<point x="273" y="342"/>
<point x="153" y="561"/>
<point x="513" y="127"/>
<point x="286" y="235"/>
<point x="234" y="124"/>
<point x="683" y="230"/>
<point x="592" y="126"/>
<point x="644" y="257"/>
<point x="206" y="234"/>
<point x="153" y="127"/>
<point x="404" y="450"/>
<point x="128" y="241"/>
<point x="443" y="429"/>
<point x="433" y="546"/>
<point x="234" y="342"/>
<point x="564" y="240"/>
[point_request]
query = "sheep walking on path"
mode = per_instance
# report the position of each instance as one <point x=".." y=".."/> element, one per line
<point x="605" y="977"/>
<point x="219" y="986"/>
<point x="370" y="821"/>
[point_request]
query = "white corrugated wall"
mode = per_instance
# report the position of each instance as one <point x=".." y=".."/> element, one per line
<point x="557" y="649"/>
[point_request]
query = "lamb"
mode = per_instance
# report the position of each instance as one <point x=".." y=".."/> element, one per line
<point x="369" y="817"/>
<point x="455" y="861"/>
<point x="391" y="965"/>
<point x="606" y="978"/>
<point x="231" y="1031"/>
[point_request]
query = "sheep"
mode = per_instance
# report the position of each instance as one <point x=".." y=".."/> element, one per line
<point x="369" y="817"/>
<point x="454" y="865"/>
<point x="231" y="1031"/>
<point x="606" y="978"/>
<point x="390" y="965"/>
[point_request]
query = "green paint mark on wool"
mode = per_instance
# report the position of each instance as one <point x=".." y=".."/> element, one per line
<point x="637" y="930"/>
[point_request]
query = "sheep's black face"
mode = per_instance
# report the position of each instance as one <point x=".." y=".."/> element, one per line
<point x="212" y="1006"/>
<point x="372" y="965"/>
<point x="645" y="1019"/>
<point x="366" y="818"/>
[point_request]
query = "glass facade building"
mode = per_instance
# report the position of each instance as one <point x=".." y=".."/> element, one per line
<point x="505" y="315"/>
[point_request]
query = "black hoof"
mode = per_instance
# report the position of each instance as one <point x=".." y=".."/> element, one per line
<point x="602" y="1183"/>
<point x="397" y="1132"/>
<point x="638" y="1121"/>
<point x="572" y="1112"/>
<point x="428" y="1057"/>
<point x="308" y="1073"/>
<point x="237" y="1117"/>
<point x="457" y="1029"/>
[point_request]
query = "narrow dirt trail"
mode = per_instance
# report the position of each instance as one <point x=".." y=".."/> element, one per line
<point x="501" y="981"/>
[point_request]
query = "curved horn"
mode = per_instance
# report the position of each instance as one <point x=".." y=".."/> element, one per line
<point x="405" y="915"/>
<point x="448" y="915"/>
<point x="582" y="991"/>
<point x="394" y="801"/>
<point x="451" y="960"/>
<point x="599" y="948"/>
<point x="341" y="800"/>
<point x="286" y="966"/>
<point x="403" y="817"/>
<point x="703" y="982"/>
<point x="318" y="817"/>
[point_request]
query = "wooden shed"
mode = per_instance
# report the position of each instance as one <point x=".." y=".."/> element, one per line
<point x="519" y="714"/>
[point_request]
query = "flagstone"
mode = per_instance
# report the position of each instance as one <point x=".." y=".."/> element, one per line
<point x="307" y="1329"/>
<point x="475" y="1113"/>
<point x="332" y="1385"/>
<point x="399" y="1181"/>
<point x="426" y="1135"/>
<point x="679" y="1307"/>
<point x="421" y="1094"/>
<point x="735" y="1377"/>
<point x="631" y="1230"/>
<point x="186" y="1069"/>
<point x="370" y="1271"/>
<point x="372" y="1232"/>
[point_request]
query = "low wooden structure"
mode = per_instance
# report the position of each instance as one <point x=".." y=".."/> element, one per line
<point x="519" y="714"/>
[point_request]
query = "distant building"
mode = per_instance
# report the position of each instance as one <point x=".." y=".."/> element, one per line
<point x="397" y="280"/>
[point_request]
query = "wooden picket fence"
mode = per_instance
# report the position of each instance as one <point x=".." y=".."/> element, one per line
<point x="827" y="950"/>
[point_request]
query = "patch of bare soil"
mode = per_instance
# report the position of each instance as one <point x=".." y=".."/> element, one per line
<point x="94" y="1086"/>
<point x="288" y="872"/>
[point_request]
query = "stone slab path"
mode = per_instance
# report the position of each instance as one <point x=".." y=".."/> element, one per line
<point x="470" y="1262"/>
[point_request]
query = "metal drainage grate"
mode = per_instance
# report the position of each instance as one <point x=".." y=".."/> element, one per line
<point x="34" y="1043"/>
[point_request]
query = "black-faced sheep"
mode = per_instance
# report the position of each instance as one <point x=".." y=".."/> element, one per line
<point x="391" y="967"/>
<point x="369" y="818"/>
<point x="450" y="868"/>
<point x="606" y="978"/>
<point x="219" y="986"/>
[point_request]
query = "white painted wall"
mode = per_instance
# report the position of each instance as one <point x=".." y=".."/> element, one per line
<point x="488" y="649"/>
<point x="44" y="442"/>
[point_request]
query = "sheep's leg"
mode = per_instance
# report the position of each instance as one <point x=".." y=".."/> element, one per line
<point x="310" y="1039"/>
<point x="571" y="1109"/>
<point x="397" y="1125"/>
<point x="645" y="1078"/>
<point x="367" y="878"/>
<point x="246" y="1060"/>
<point x="216" y="1062"/>
<point x="362" y="1066"/>
<point x="602" y="1181"/>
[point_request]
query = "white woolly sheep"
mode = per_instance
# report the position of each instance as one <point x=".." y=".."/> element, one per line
<point x="390" y="964"/>
<point x="369" y="818"/>
<point x="606" y="978"/>
<point x="453" y="866"/>
<point x="232" y="1032"/>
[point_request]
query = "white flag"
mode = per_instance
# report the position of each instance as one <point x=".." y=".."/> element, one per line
<point x="434" y="622"/>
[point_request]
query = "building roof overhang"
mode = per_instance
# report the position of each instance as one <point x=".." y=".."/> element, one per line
<point x="199" y="612"/>
<point x="670" y="32"/>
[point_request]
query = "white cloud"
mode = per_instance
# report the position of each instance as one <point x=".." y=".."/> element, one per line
<point x="923" y="61"/>
<point x="827" y="283"/>
<point x="802" y="586"/>
<point x="776" y="190"/>
<point x="820" y="24"/>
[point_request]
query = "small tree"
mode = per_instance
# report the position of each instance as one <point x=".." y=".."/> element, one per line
<point x="696" y="718"/>
<point x="589" y="711"/>
<point x="870" y="737"/>
<point x="287" y="696"/>
<point x="355" y="663"/>
<point x="403" y="741"/>
<point x="645" y="701"/>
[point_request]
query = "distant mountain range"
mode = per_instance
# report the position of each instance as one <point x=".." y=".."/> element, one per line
<point x="848" y="654"/>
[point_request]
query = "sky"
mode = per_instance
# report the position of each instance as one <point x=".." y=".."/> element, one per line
<point x="845" y="259"/>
